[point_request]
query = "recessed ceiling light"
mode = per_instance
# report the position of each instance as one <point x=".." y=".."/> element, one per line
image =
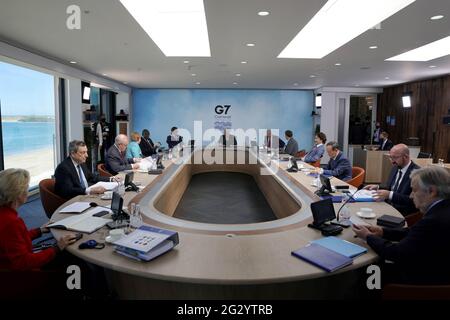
<point x="263" y="13"/>
<point x="296" y="84"/>
<point x="193" y="74"/>
<point x="438" y="17"/>
<point x="430" y="51"/>
<point x="125" y="82"/>
<point x="73" y="62"/>
<point x="250" y="44"/>
<point x="235" y="83"/>
<point x="197" y="83"/>
<point x="238" y="74"/>
<point x="243" y="62"/>
<point x="338" y="22"/>
<point x="432" y="67"/>
<point x="186" y="61"/>
<point x="356" y="85"/>
<point x="337" y="64"/>
<point x="104" y="74"/>
<point x="312" y="76"/>
<point x="387" y="78"/>
<point x="177" y="27"/>
<point x="373" y="47"/>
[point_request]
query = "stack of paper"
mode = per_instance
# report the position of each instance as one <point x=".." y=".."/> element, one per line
<point x="146" y="164"/>
<point x="85" y="222"/>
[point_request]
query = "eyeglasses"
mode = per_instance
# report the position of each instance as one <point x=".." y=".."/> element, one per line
<point x="395" y="157"/>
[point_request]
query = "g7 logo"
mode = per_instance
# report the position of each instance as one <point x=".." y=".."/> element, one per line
<point x="220" y="109"/>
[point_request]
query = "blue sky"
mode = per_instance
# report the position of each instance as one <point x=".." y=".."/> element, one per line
<point x="25" y="92"/>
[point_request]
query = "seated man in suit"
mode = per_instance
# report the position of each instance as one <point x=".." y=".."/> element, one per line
<point x="147" y="146"/>
<point x="116" y="159"/>
<point x="420" y="254"/>
<point x="338" y="166"/>
<point x="291" y="145"/>
<point x="317" y="151"/>
<point x="227" y="139"/>
<point x="398" y="187"/>
<point x="173" y="139"/>
<point x="72" y="176"/>
<point x="385" y="143"/>
<point x="272" y="141"/>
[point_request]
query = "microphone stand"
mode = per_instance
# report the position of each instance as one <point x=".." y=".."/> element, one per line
<point x="350" y="196"/>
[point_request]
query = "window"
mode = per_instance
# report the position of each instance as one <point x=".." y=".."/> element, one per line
<point x="27" y="105"/>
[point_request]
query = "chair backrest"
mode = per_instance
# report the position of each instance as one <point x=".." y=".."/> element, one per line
<point x="413" y="218"/>
<point x="101" y="168"/>
<point x="316" y="164"/>
<point x="300" y="154"/>
<point x="411" y="292"/>
<point x="357" y="177"/>
<point x="50" y="200"/>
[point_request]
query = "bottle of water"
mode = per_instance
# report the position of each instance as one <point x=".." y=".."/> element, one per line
<point x="135" y="216"/>
<point x="170" y="154"/>
<point x="345" y="213"/>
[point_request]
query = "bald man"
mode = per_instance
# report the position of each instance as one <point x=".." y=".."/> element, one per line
<point x="398" y="187"/>
<point x="116" y="159"/>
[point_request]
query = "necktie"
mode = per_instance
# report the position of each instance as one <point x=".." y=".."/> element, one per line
<point x="81" y="177"/>
<point x="397" y="183"/>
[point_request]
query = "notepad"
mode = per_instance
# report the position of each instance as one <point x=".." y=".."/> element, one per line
<point x="76" y="207"/>
<point x="343" y="247"/>
<point x="109" y="186"/>
<point x="322" y="257"/>
<point x="82" y="223"/>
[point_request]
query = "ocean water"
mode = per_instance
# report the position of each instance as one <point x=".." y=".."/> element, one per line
<point x="20" y="137"/>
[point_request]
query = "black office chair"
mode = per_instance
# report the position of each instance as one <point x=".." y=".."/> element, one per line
<point x="424" y="155"/>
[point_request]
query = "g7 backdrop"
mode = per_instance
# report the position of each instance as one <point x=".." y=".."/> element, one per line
<point x="160" y="109"/>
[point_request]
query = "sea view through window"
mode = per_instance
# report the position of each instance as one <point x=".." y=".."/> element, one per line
<point x="28" y="120"/>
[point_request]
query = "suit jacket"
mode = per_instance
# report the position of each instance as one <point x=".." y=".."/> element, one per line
<point x="171" y="143"/>
<point x="339" y="168"/>
<point x="116" y="162"/>
<point x="400" y="199"/>
<point x="68" y="182"/>
<point x="231" y="141"/>
<point x="291" y="147"/>
<point x="387" y="146"/>
<point x="315" y="154"/>
<point x="147" y="147"/>
<point x="16" y="249"/>
<point x="422" y="255"/>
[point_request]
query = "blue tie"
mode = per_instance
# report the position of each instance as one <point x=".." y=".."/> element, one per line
<point x="81" y="177"/>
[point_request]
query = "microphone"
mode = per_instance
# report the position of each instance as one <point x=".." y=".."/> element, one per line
<point x="350" y="196"/>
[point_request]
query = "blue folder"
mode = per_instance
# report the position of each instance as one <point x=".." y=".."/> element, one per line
<point x="322" y="257"/>
<point x="343" y="247"/>
<point x="337" y="199"/>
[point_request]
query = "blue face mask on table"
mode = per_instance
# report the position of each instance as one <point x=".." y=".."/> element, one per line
<point x="91" y="244"/>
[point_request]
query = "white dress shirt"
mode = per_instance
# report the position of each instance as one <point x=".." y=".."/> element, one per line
<point x="403" y="170"/>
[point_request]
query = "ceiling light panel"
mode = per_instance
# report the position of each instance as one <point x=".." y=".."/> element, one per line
<point x="338" y="22"/>
<point x="178" y="27"/>
<point x="427" y="52"/>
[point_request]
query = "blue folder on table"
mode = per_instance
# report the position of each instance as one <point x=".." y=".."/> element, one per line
<point x="337" y="199"/>
<point x="322" y="257"/>
<point x="343" y="247"/>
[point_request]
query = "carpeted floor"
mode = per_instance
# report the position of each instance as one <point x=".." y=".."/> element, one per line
<point x="224" y="198"/>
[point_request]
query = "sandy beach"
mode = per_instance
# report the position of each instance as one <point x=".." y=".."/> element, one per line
<point x="39" y="163"/>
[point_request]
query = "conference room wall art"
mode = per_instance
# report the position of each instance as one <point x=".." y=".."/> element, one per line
<point x="160" y="109"/>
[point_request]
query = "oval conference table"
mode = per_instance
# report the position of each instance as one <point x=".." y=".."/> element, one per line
<point x="221" y="261"/>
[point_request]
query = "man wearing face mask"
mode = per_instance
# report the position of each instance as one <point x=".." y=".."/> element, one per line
<point x="376" y="134"/>
<point x="398" y="187"/>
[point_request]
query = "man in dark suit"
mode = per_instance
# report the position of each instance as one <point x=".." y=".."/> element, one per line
<point x="385" y="143"/>
<point x="291" y="146"/>
<point x="116" y="159"/>
<point x="147" y="146"/>
<point x="173" y="139"/>
<point x="338" y="166"/>
<point x="421" y="253"/>
<point x="398" y="187"/>
<point x="73" y="177"/>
